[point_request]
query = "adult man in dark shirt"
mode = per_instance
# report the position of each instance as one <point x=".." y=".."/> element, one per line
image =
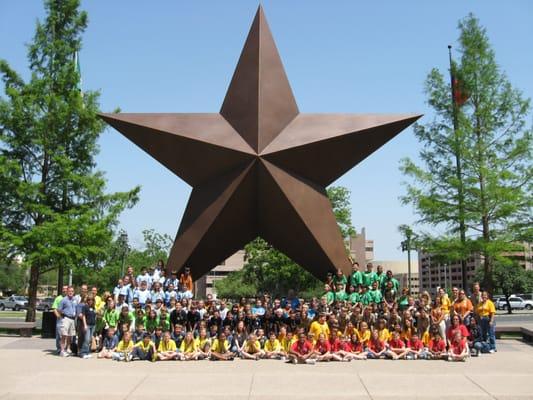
<point x="178" y="316"/>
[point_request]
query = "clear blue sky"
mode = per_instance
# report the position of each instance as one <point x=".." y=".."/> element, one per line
<point x="341" y="56"/>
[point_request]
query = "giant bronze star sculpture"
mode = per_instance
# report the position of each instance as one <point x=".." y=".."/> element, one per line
<point x="259" y="167"/>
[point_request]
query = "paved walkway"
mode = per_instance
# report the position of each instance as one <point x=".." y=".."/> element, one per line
<point x="29" y="371"/>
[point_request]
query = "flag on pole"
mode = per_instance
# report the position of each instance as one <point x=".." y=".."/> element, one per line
<point x="460" y="93"/>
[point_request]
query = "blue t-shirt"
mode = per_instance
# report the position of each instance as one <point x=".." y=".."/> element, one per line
<point x="67" y="307"/>
<point x="110" y="342"/>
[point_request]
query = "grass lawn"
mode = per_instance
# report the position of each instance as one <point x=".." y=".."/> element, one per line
<point x="18" y="314"/>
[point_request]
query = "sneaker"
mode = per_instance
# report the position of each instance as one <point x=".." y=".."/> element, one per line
<point x="492" y="351"/>
<point x="449" y="358"/>
<point x="310" y="361"/>
<point x="283" y="358"/>
<point x="86" y="356"/>
<point x="64" y="354"/>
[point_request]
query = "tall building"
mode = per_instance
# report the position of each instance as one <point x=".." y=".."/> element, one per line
<point x="434" y="274"/>
<point x="361" y="249"/>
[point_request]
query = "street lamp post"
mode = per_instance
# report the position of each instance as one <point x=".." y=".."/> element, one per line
<point x="406" y="246"/>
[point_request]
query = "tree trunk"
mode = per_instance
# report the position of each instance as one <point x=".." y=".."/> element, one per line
<point x="487" y="262"/>
<point x="509" y="309"/>
<point x="32" y="293"/>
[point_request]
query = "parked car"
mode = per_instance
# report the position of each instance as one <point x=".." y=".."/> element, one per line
<point x="15" y="303"/>
<point x="517" y="303"/>
<point x="45" y="304"/>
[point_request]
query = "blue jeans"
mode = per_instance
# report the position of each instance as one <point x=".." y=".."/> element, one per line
<point x="58" y="334"/>
<point x="488" y="332"/>
<point x="86" y="346"/>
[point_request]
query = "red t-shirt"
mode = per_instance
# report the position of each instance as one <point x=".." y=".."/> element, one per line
<point x="416" y="345"/>
<point x="304" y="348"/>
<point x="396" y="343"/>
<point x="376" y="346"/>
<point x="460" y="328"/>
<point x="437" y="345"/>
<point x="352" y="347"/>
<point x="458" y="348"/>
<point x="323" y="347"/>
<point x="335" y="344"/>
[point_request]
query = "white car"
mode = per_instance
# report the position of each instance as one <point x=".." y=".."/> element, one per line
<point x="517" y="303"/>
<point x="16" y="303"/>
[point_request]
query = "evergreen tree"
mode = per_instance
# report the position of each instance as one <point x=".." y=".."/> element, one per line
<point x="492" y="192"/>
<point x="55" y="211"/>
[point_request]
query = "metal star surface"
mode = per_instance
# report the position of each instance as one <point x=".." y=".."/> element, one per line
<point x="259" y="167"/>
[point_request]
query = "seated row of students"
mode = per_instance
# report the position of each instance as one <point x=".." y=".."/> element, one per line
<point x="300" y="349"/>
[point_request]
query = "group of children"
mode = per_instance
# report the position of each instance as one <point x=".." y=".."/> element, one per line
<point x="334" y="327"/>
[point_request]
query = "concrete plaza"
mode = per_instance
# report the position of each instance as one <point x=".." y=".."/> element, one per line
<point x="28" y="370"/>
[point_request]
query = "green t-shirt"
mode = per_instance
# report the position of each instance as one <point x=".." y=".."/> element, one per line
<point x="356" y="278"/>
<point x="56" y="302"/>
<point x="165" y="322"/>
<point x="151" y="324"/>
<point x="376" y="295"/>
<point x="367" y="298"/>
<point x="369" y="278"/>
<point x="337" y="280"/>
<point x="341" y="295"/>
<point x="395" y="284"/>
<point x="330" y="297"/>
<point x="111" y="318"/>
<point x="380" y="279"/>
<point x="354" y="298"/>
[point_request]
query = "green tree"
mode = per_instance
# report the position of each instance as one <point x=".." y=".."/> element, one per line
<point x="492" y="189"/>
<point x="156" y="247"/>
<point x="55" y="211"/>
<point x="268" y="270"/>
<point x="510" y="278"/>
<point x="13" y="278"/>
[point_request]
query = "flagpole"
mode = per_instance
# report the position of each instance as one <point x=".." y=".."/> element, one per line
<point x="458" y="170"/>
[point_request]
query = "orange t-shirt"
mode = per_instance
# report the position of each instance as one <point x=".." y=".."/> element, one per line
<point x="186" y="281"/>
<point x="462" y="307"/>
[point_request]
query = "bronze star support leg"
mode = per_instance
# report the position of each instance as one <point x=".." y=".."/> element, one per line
<point x="219" y="220"/>
<point x="295" y="216"/>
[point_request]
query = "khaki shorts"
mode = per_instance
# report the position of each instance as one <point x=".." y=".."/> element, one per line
<point x="68" y="327"/>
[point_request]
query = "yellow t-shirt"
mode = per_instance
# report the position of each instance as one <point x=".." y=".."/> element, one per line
<point x="272" y="346"/>
<point x="286" y="343"/>
<point x="252" y="346"/>
<point x="485" y="309"/>
<point x="426" y="338"/>
<point x="445" y="304"/>
<point x="317" y="328"/>
<point x="200" y="343"/>
<point x="188" y="348"/>
<point x="98" y="303"/>
<point x="169" y="346"/>
<point x="364" y="337"/>
<point x="406" y="334"/>
<point x="140" y="344"/>
<point x="220" y="347"/>
<point x="124" y="347"/>
<point x="384" y="335"/>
